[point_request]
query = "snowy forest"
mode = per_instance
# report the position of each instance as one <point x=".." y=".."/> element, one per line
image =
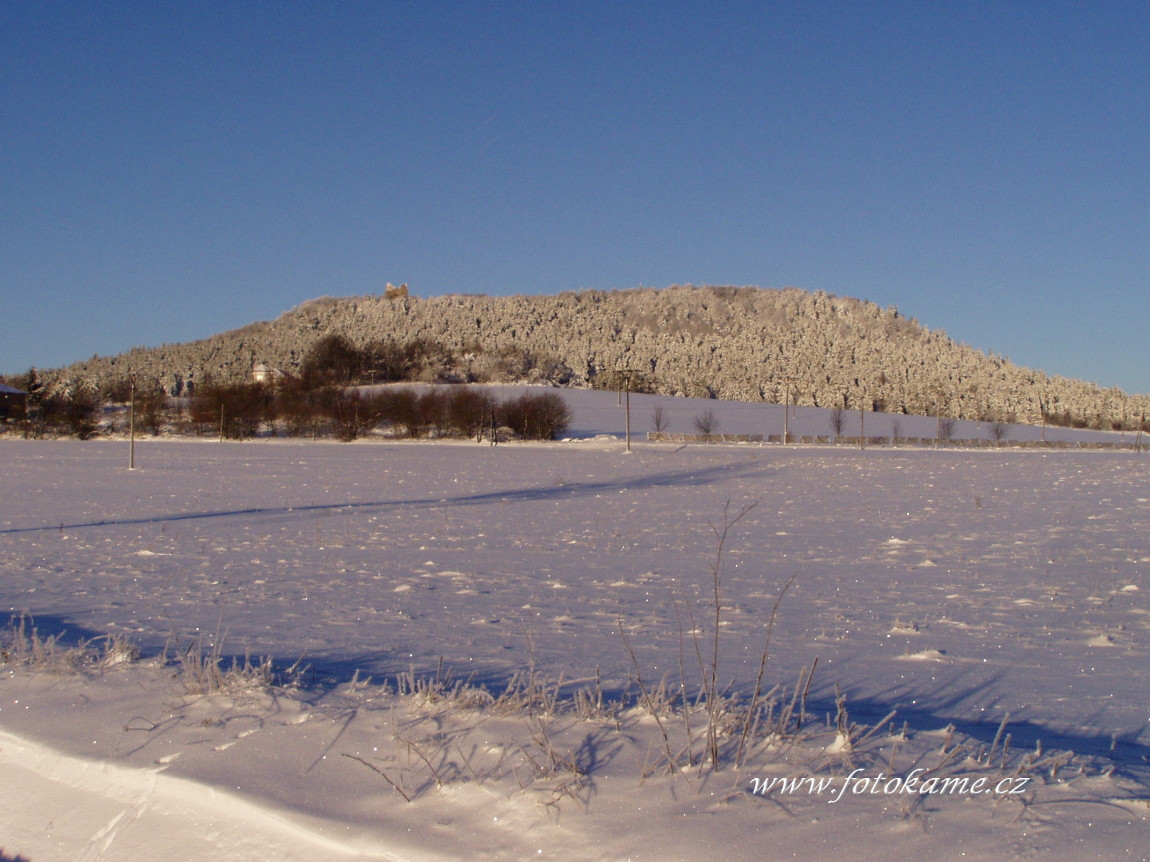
<point x="734" y="343"/>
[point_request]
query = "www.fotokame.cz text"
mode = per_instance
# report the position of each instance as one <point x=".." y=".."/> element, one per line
<point x="857" y="784"/>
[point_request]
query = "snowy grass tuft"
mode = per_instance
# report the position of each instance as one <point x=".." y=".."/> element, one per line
<point x="22" y="645"/>
<point x="204" y="670"/>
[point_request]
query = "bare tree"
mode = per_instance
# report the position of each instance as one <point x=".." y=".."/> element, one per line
<point x="659" y="420"/>
<point x="945" y="428"/>
<point x="999" y="430"/>
<point x="536" y="417"/>
<point x="838" y="419"/>
<point x="469" y="410"/>
<point x="706" y="423"/>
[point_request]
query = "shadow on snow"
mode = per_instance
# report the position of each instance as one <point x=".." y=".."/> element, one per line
<point x="572" y="490"/>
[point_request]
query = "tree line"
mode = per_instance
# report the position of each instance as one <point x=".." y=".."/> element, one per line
<point x="242" y="410"/>
<point x="332" y="396"/>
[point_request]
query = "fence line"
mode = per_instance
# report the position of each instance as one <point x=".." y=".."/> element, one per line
<point x="819" y="440"/>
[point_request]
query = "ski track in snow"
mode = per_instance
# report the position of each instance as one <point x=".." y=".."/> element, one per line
<point x="956" y="587"/>
<point x="131" y="813"/>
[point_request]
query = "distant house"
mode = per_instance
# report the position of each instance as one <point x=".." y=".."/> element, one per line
<point x="266" y="374"/>
<point x="13" y="402"/>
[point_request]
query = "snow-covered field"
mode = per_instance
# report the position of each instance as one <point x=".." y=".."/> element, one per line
<point x="994" y="599"/>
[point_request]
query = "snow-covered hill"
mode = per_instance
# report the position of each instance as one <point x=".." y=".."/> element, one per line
<point x="747" y="344"/>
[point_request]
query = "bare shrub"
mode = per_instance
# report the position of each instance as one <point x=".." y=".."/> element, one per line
<point x="706" y="423"/>
<point x="236" y="411"/>
<point x="331" y="361"/>
<point x="434" y="412"/>
<point x="946" y="428"/>
<point x="335" y="361"/>
<point x="350" y="414"/>
<point x="399" y="409"/>
<point x="469" y="411"/>
<point x="150" y="404"/>
<point x="999" y="431"/>
<point x="72" y="413"/>
<point x="535" y="417"/>
<point x="300" y="410"/>
<point x="659" y="420"/>
<point x="838" y="420"/>
<point x="388" y="360"/>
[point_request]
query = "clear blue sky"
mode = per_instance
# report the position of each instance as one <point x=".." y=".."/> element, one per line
<point x="172" y="170"/>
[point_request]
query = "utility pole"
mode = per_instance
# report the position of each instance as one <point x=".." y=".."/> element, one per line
<point x="628" y="412"/>
<point x="937" y="418"/>
<point x="627" y="372"/>
<point x="787" y="417"/>
<point x="132" y="423"/>
<point x="787" y="381"/>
